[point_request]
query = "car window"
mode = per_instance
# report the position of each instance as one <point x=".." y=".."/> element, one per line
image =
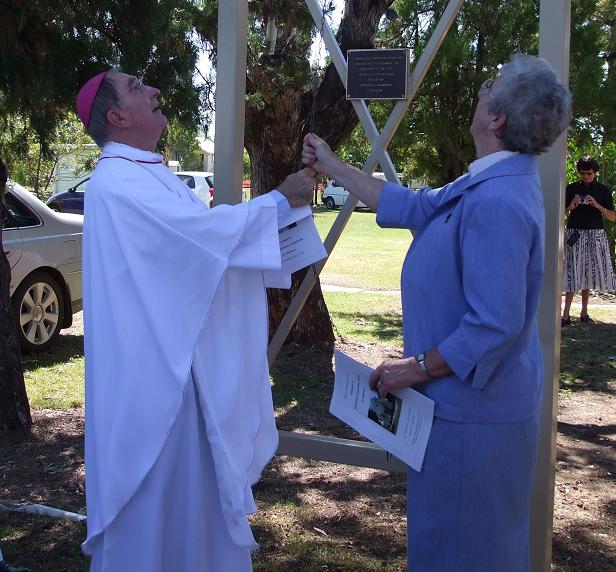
<point x="190" y="181"/>
<point x="5" y="218"/>
<point x="21" y="215"/>
<point x="82" y="185"/>
<point x="210" y="181"/>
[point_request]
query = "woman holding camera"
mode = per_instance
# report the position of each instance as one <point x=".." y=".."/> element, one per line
<point x="587" y="262"/>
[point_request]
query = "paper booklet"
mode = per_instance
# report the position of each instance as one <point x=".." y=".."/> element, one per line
<point x="300" y="246"/>
<point x="399" y="423"/>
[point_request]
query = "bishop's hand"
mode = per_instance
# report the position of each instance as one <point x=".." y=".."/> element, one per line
<point x="298" y="188"/>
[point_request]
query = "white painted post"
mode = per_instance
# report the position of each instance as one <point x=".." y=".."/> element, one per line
<point x="554" y="33"/>
<point x="230" y="98"/>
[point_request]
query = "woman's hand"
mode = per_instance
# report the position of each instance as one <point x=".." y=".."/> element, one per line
<point x="590" y="201"/>
<point x="395" y="374"/>
<point x="575" y="202"/>
<point x="316" y="153"/>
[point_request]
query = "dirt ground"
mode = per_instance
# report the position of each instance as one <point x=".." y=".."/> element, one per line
<point x="336" y="509"/>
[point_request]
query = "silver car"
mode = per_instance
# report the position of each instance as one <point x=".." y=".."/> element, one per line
<point x="44" y="250"/>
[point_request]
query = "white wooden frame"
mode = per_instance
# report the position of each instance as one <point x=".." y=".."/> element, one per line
<point x="230" y="90"/>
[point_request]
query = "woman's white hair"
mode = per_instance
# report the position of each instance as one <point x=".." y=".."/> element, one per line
<point x="535" y="102"/>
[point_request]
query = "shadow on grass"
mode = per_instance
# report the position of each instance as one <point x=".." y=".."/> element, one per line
<point x="588" y="357"/>
<point x="579" y="549"/>
<point x="386" y="327"/>
<point x="286" y="486"/>
<point x="303" y="381"/>
<point x="67" y="346"/>
<point x="44" y="463"/>
<point x="42" y="544"/>
<point x="589" y="447"/>
<point x="335" y="523"/>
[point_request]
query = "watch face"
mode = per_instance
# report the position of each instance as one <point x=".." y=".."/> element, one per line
<point x="421" y="360"/>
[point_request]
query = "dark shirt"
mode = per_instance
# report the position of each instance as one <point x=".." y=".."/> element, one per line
<point x="585" y="216"/>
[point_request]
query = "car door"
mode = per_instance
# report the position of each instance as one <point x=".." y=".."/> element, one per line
<point x="12" y="242"/>
<point x="202" y="189"/>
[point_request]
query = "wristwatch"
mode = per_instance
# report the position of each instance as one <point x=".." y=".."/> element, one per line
<point x="421" y="360"/>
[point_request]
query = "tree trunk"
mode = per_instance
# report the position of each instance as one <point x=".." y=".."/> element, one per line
<point x="273" y="139"/>
<point x="14" y="407"/>
<point x="275" y="154"/>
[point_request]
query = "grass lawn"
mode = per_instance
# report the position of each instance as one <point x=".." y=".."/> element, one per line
<point x="366" y="256"/>
<point x="55" y="379"/>
<point x="314" y="515"/>
<point x="366" y="316"/>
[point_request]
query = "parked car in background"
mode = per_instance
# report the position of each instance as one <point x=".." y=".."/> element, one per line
<point x="335" y="196"/>
<point x="71" y="200"/>
<point x="201" y="182"/>
<point x="43" y="248"/>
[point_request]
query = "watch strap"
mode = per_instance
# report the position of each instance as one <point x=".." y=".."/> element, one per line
<point x="421" y="360"/>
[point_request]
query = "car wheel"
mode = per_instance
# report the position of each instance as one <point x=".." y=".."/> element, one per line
<point x="39" y="309"/>
<point x="330" y="203"/>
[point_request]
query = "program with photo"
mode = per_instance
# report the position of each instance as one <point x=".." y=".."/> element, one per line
<point x="386" y="411"/>
<point x="400" y="423"/>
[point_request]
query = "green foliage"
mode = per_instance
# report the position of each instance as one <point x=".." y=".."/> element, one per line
<point x="27" y="161"/>
<point x="255" y="100"/>
<point x="356" y="148"/>
<point x="433" y="142"/>
<point x="46" y="53"/>
<point x="181" y="144"/>
<point x="246" y="166"/>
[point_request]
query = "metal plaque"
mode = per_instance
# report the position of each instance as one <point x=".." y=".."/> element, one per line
<point x="377" y="74"/>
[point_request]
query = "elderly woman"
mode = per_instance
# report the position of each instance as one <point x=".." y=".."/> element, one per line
<point x="470" y="290"/>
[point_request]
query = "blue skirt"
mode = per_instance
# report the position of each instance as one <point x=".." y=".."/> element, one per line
<point x="469" y="508"/>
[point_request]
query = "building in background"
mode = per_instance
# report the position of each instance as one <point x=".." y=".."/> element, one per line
<point x="207" y="153"/>
<point x="70" y="166"/>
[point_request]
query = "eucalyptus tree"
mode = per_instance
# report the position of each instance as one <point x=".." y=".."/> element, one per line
<point x="285" y="98"/>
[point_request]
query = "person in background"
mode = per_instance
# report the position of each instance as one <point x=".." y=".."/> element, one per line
<point x="586" y="262"/>
<point x="471" y="283"/>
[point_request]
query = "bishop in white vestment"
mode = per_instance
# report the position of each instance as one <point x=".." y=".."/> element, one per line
<point x="179" y="415"/>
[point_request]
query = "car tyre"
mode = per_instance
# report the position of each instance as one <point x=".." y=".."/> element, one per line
<point x="330" y="203"/>
<point x="39" y="309"/>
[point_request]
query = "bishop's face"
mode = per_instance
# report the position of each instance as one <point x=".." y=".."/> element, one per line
<point x="139" y="108"/>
